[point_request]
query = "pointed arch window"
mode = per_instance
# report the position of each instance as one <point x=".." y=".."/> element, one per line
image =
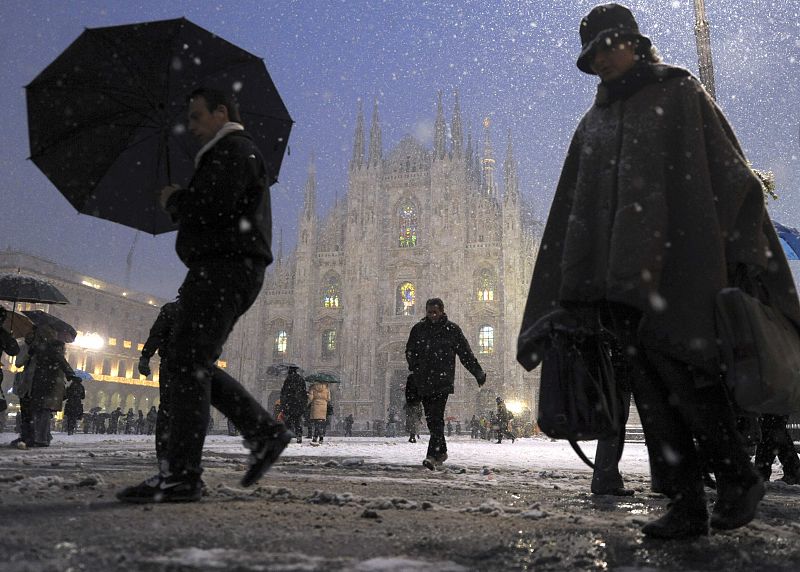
<point x="486" y="285"/>
<point x="486" y="340"/>
<point x="330" y="291"/>
<point x="408" y="225"/>
<point x="328" y="343"/>
<point x="406" y="299"/>
<point x="281" y="344"/>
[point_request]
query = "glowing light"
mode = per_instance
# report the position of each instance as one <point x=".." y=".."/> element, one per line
<point x="89" y="341"/>
<point x="515" y="407"/>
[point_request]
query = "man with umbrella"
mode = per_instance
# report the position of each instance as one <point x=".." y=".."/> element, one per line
<point x="224" y="238"/>
<point x="293" y="401"/>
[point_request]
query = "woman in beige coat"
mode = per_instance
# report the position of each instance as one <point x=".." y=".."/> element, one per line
<point x="319" y="395"/>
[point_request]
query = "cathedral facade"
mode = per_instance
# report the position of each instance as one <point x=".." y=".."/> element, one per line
<point x="416" y="223"/>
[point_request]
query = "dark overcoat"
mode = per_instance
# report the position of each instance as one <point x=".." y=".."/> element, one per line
<point x="431" y="353"/>
<point x="655" y="204"/>
<point x="294" y="395"/>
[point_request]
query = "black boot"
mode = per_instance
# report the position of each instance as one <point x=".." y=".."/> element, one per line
<point x="683" y="519"/>
<point x="736" y="505"/>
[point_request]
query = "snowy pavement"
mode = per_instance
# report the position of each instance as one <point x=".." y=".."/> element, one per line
<point x="362" y="503"/>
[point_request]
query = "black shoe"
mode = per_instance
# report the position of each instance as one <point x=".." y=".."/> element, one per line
<point x="680" y="521"/>
<point x="429" y="463"/>
<point x="299" y="438"/>
<point x="736" y="506"/>
<point x="163" y="488"/>
<point x="320" y="439"/>
<point x="264" y="451"/>
<point x="412" y="439"/>
<point x="498" y="442"/>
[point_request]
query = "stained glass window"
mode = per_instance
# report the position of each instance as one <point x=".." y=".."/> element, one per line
<point x="486" y="285"/>
<point x="486" y="340"/>
<point x="408" y="225"/>
<point x="281" y="342"/>
<point x="328" y="343"/>
<point x="406" y="299"/>
<point x="330" y="292"/>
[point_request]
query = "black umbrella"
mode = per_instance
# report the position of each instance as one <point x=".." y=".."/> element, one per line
<point x="282" y="368"/>
<point x="58" y="327"/>
<point x="23" y="288"/>
<point x="106" y="119"/>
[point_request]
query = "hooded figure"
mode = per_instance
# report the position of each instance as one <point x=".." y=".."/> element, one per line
<point x="294" y="398"/>
<point x="655" y="212"/>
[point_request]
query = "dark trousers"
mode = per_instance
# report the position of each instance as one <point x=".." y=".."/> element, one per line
<point x="72" y="423"/>
<point x="165" y="373"/>
<point x="677" y="405"/>
<point x="319" y="428"/>
<point x="606" y="476"/>
<point x="212" y="298"/>
<point x="294" y="421"/>
<point x="434" y="406"/>
<point x="775" y="440"/>
<point x="26" y="430"/>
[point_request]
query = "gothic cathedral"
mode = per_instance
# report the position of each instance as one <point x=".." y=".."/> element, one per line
<point x="416" y="223"/>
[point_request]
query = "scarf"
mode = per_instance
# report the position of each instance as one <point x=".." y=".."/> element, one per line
<point x="640" y="75"/>
<point x="229" y="127"/>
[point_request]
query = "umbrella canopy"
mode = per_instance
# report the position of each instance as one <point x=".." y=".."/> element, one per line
<point x="23" y="288"/>
<point x="322" y="378"/>
<point x="790" y="240"/>
<point x="282" y="368"/>
<point x="84" y="375"/>
<point x="107" y="118"/>
<point x="18" y="325"/>
<point x="57" y="327"/>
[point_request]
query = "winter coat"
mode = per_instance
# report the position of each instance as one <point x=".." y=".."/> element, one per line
<point x="23" y="380"/>
<point x="225" y="211"/>
<point x="76" y="393"/>
<point x="160" y="334"/>
<point x="318" y="397"/>
<point x="503" y="414"/>
<point x="50" y="375"/>
<point x="294" y="395"/>
<point x="431" y="355"/>
<point x="152" y="416"/>
<point x="654" y="206"/>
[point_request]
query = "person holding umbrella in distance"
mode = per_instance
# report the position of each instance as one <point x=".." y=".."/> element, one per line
<point x="224" y="236"/>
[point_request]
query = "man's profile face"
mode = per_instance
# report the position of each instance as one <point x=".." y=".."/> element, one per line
<point x="610" y="62"/>
<point x="205" y="124"/>
<point x="434" y="313"/>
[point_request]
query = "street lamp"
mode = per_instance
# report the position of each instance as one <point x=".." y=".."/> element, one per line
<point x="89" y="341"/>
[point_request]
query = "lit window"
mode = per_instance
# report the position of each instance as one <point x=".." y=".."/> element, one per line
<point x="139" y="347"/>
<point x="330" y="292"/>
<point x="486" y="340"/>
<point x="112" y="341"/>
<point x="222" y="364"/>
<point x="126" y="344"/>
<point x="406" y="299"/>
<point x="281" y="342"/>
<point x="328" y="342"/>
<point x="486" y="285"/>
<point x="408" y="225"/>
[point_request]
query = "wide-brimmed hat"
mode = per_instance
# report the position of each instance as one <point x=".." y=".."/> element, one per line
<point x="606" y="23"/>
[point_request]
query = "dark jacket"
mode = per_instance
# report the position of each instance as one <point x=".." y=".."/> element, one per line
<point x="225" y="211"/>
<point x="50" y="374"/>
<point x="431" y="355"/>
<point x="655" y="204"/>
<point x="76" y="393"/>
<point x="161" y="333"/>
<point x="294" y="395"/>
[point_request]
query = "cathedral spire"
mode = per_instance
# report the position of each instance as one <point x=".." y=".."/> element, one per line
<point x="310" y="197"/>
<point x="358" y="143"/>
<point x="510" y="174"/>
<point x="375" y="143"/>
<point x="469" y="158"/>
<point x="280" y="246"/>
<point x="489" y="187"/>
<point x="457" y="130"/>
<point x="439" y="131"/>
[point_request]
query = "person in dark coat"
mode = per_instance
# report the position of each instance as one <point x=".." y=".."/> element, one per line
<point x="504" y="417"/>
<point x="294" y="397"/>
<point x="140" y="423"/>
<point x="73" y="406"/>
<point x="48" y="387"/>
<point x="648" y="244"/>
<point x="130" y="421"/>
<point x="776" y="441"/>
<point x="348" y="425"/>
<point x="224" y="238"/>
<point x="159" y="340"/>
<point x="474" y="427"/>
<point x="431" y="350"/>
<point x="113" y="423"/>
<point x="151" y="420"/>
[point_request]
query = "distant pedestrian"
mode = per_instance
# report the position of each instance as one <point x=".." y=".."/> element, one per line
<point x="140" y="421"/>
<point x="73" y="405"/>
<point x="348" y="425"/>
<point x="431" y="350"/>
<point x="776" y="441"/>
<point x="474" y="427"/>
<point x="294" y="397"/>
<point x="449" y="428"/>
<point x="458" y="427"/>
<point x="130" y="421"/>
<point x="504" y="417"/>
<point x="319" y="396"/>
<point x="151" y="420"/>
<point x="113" y="423"/>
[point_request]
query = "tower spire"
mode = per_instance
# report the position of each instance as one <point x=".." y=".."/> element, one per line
<point x="510" y="173"/>
<point x="489" y="187"/>
<point x="280" y="246"/>
<point x="310" y="196"/>
<point x="358" y="143"/>
<point x="456" y="130"/>
<point x="439" y="131"/>
<point x="375" y="143"/>
<point x="702" y="36"/>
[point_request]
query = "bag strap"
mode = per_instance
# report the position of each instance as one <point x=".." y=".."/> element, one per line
<point x="581" y="454"/>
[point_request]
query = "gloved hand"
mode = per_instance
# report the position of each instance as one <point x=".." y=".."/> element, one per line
<point x="144" y="366"/>
<point x="481" y="378"/>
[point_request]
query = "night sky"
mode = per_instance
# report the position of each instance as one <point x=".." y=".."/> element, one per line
<point x="510" y="60"/>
